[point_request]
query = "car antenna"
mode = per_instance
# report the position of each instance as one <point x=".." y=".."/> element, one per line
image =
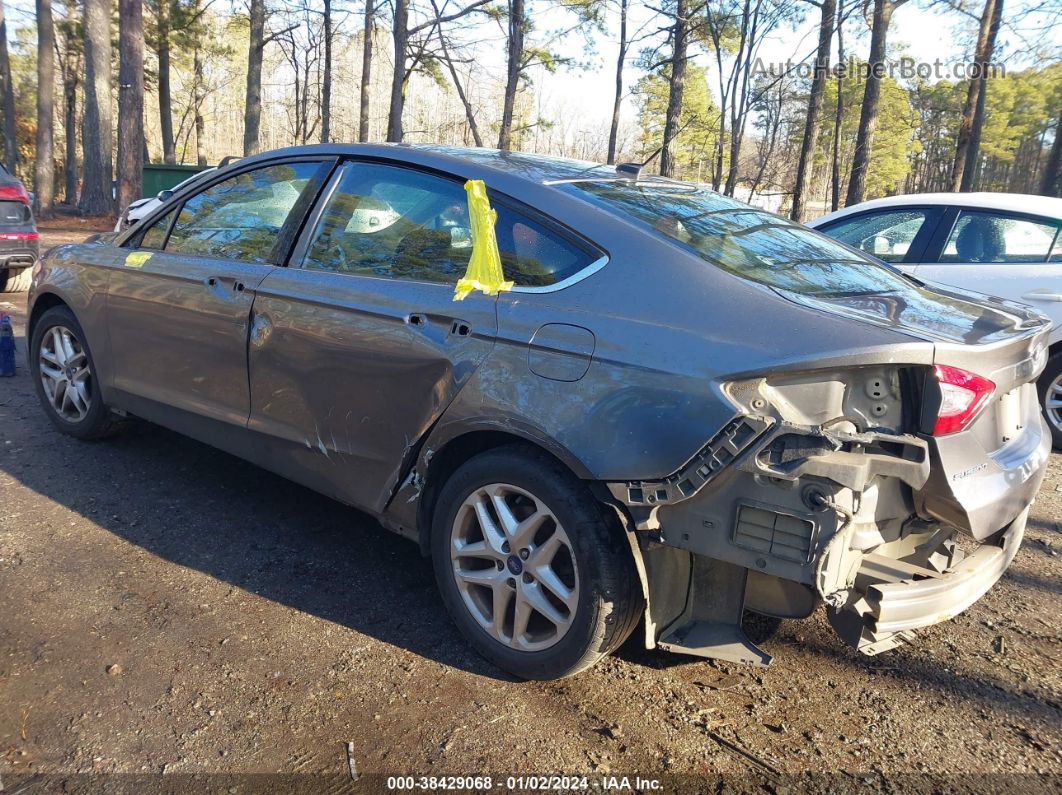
<point x="228" y="159"/>
<point x="635" y="169"/>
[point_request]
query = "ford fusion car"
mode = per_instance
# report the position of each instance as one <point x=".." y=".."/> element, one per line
<point x="673" y="407"/>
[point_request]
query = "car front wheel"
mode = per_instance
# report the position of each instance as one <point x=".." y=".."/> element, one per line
<point x="534" y="571"/>
<point x="64" y="372"/>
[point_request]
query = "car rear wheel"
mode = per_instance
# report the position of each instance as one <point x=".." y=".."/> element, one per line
<point x="533" y="570"/>
<point x="1050" y="388"/>
<point x="15" y="281"/>
<point x="65" y="380"/>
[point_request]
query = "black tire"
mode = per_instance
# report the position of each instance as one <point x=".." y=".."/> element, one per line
<point x="99" y="421"/>
<point x="1049" y="376"/>
<point x="609" y="602"/>
<point x="15" y="281"/>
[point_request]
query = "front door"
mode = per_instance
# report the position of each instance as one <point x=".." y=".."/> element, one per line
<point x="179" y="301"/>
<point x="358" y="347"/>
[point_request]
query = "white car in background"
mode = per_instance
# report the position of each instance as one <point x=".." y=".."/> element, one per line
<point x="141" y="208"/>
<point x="1003" y="244"/>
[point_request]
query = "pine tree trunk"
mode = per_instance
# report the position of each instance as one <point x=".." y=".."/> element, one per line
<point x="252" y="113"/>
<point x="130" y="101"/>
<point x="44" y="167"/>
<point x="7" y="99"/>
<point x="169" y="150"/>
<point x="1051" y="182"/>
<point x="400" y="34"/>
<point x="366" y="72"/>
<point x="71" y="72"/>
<point x="812" y="121"/>
<point x="96" y="136"/>
<point x="613" y="130"/>
<point x="868" y="113"/>
<point x="326" y="78"/>
<point x="835" y="156"/>
<point x="514" y="70"/>
<point x="197" y="101"/>
<point x="676" y="85"/>
<point x="973" y="151"/>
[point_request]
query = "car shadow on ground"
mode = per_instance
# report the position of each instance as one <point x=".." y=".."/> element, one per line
<point x="209" y="511"/>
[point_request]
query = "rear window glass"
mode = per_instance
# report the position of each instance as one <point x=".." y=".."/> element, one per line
<point x="745" y="241"/>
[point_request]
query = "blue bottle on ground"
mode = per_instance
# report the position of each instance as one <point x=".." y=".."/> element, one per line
<point x="7" y="346"/>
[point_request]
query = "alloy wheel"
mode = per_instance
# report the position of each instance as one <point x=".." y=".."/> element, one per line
<point x="514" y="566"/>
<point x="65" y="374"/>
<point x="1053" y="402"/>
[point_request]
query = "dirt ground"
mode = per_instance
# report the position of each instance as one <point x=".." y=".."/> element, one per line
<point x="168" y="609"/>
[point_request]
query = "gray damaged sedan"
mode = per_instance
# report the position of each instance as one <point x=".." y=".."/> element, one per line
<point x="681" y="408"/>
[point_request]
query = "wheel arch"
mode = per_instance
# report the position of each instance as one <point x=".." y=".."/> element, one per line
<point x="447" y="451"/>
<point x="44" y="302"/>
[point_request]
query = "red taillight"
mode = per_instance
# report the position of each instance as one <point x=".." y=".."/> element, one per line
<point x="14" y="193"/>
<point x="962" y="396"/>
<point x="20" y="236"/>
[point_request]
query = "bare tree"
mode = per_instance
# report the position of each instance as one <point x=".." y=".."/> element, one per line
<point x="448" y="59"/>
<point x="411" y="50"/>
<point x="968" y="142"/>
<point x="130" y="101"/>
<point x="366" y="71"/>
<point x="828" y="10"/>
<point x="7" y="98"/>
<point x="868" y="111"/>
<point x="44" y="165"/>
<point x="252" y="113"/>
<point x="96" y="135"/>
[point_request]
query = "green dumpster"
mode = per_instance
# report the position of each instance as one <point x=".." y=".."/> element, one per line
<point x="163" y="176"/>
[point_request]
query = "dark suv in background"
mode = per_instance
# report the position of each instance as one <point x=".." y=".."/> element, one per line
<point x="19" y="242"/>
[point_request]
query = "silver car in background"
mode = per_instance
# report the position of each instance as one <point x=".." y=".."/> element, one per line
<point x="679" y="408"/>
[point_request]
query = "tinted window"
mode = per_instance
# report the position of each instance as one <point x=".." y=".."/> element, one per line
<point x="887" y="234"/>
<point x="241" y="217"/>
<point x="750" y="243"/>
<point x="988" y="237"/>
<point x="155" y="235"/>
<point x="404" y="224"/>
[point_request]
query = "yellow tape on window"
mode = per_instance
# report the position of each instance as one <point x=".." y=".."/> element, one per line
<point x="485" y="267"/>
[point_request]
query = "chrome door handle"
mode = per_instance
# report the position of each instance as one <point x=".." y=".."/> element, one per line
<point x="1045" y="295"/>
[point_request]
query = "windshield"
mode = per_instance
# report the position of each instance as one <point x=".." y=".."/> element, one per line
<point x="750" y="243"/>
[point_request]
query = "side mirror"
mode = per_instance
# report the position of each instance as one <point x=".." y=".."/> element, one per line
<point x="164" y="195"/>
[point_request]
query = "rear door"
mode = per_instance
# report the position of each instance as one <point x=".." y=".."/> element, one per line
<point x="358" y="347"/>
<point x="1011" y="255"/>
<point x="178" y="304"/>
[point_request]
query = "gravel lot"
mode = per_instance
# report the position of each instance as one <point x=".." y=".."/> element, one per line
<point x="166" y="608"/>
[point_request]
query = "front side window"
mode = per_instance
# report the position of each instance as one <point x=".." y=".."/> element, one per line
<point x="154" y="236"/>
<point x="241" y="217"/>
<point x="989" y="237"/>
<point x="887" y="234"/>
<point x="400" y="223"/>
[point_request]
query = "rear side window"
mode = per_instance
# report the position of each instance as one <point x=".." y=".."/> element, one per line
<point x="989" y="237"/>
<point x="750" y="243"/>
<point x="400" y="223"/>
<point x="887" y="234"/>
<point x="242" y="217"/>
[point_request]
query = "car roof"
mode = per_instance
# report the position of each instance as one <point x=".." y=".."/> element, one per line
<point x="523" y="165"/>
<point x="1010" y="202"/>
